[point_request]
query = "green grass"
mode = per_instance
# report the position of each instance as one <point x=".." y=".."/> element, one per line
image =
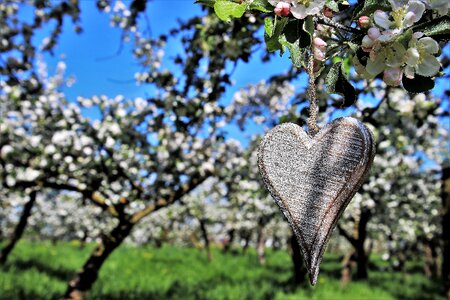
<point x="41" y="270"/>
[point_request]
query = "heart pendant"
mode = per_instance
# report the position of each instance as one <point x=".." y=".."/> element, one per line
<point x="313" y="179"/>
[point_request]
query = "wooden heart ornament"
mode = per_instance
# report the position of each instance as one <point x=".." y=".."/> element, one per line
<point x="313" y="179"/>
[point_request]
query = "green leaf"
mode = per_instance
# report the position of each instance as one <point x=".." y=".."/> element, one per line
<point x="291" y="40"/>
<point x="226" y="10"/>
<point x="307" y="32"/>
<point x="297" y="54"/>
<point x="261" y="5"/>
<point x="417" y="85"/>
<point x="268" y="26"/>
<point x="272" y="40"/>
<point x="370" y="6"/>
<point x="292" y="30"/>
<point x="337" y="83"/>
<point x="209" y="3"/>
<point x="438" y="28"/>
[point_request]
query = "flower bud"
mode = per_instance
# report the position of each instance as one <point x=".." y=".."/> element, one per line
<point x="367" y="43"/>
<point x="319" y="54"/>
<point x="364" y="22"/>
<point x="328" y="12"/>
<point x="282" y="9"/>
<point x="373" y="33"/>
<point x="319" y="43"/>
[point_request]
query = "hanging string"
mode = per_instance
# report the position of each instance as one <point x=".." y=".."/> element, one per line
<point x="313" y="110"/>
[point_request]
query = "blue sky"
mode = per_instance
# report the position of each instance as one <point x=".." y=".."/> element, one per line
<point x="91" y="57"/>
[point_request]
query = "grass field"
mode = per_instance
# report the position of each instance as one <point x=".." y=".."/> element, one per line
<point x="41" y="270"/>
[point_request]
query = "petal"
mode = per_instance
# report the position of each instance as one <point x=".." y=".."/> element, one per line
<point x="417" y="8"/>
<point x="409" y="72"/>
<point x="375" y="67"/>
<point x="387" y="36"/>
<point x="418" y="34"/>
<point x="299" y="11"/>
<point x="381" y="18"/>
<point x="393" y="77"/>
<point x="396" y="56"/>
<point x="412" y="56"/>
<point x="274" y="2"/>
<point x="373" y="33"/>
<point x="429" y="66"/>
<point x="409" y="19"/>
<point x="367" y="42"/>
<point x="429" y="45"/>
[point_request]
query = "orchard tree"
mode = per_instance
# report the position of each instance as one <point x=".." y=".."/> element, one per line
<point x="140" y="155"/>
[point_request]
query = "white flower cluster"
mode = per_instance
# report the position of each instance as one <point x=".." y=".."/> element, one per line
<point x="394" y="49"/>
<point x="300" y="9"/>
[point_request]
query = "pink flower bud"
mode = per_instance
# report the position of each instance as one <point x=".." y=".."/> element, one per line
<point x="364" y="22"/>
<point x="367" y="43"/>
<point x="327" y="12"/>
<point x="319" y="43"/>
<point x="282" y="9"/>
<point x="373" y="33"/>
<point x="319" y="54"/>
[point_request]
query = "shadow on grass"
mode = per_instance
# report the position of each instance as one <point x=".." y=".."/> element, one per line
<point x="59" y="272"/>
<point x="406" y="285"/>
<point x="221" y="286"/>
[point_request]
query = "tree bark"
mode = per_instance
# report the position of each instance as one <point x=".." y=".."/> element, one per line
<point x="231" y="234"/>
<point x="20" y="228"/>
<point x="86" y="277"/>
<point x="357" y="239"/>
<point x="445" y="195"/>
<point x="205" y="237"/>
<point x="348" y="264"/>
<point x="297" y="262"/>
<point x="362" y="259"/>
<point x="260" y="245"/>
<point x="247" y="238"/>
<point x="431" y="267"/>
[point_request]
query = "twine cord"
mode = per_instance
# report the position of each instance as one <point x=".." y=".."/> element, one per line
<point x="313" y="129"/>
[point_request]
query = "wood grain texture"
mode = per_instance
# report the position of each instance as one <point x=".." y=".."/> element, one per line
<point x="313" y="179"/>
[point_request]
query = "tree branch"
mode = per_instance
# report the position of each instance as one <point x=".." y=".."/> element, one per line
<point x="345" y="234"/>
<point x="184" y="189"/>
<point x="94" y="196"/>
<point x="331" y="23"/>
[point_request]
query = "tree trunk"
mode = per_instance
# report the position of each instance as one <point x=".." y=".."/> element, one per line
<point x="357" y="239"/>
<point x="229" y="242"/>
<point x="445" y="195"/>
<point x="247" y="238"/>
<point x="205" y="238"/>
<point x="20" y="228"/>
<point x="260" y="246"/>
<point x="348" y="264"/>
<point x="431" y="267"/>
<point x="85" y="278"/>
<point x="297" y="261"/>
<point x="362" y="259"/>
